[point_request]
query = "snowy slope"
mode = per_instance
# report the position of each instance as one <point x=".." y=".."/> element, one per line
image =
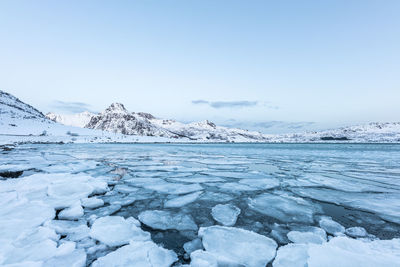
<point x="375" y="132"/>
<point x="76" y="120"/>
<point x="20" y="122"/>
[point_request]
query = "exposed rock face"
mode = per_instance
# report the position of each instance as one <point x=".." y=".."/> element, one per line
<point x="117" y="119"/>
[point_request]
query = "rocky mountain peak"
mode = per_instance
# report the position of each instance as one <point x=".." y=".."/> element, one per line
<point x="116" y="108"/>
<point x="146" y="115"/>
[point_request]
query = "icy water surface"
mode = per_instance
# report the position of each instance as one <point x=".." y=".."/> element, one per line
<point x="271" y="188"/>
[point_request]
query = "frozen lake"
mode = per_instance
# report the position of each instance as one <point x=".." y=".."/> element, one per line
<point x="269" y="189"/>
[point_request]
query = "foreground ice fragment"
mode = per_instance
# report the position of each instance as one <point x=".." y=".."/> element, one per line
<point x="105" y="211"/>
<point x="72" y="213"/>
<point x="284" y="207"/>
<point x="225" y="214"/>
<point x="76" y="258"/>
<point x="193" y="245"/>
<point x="143" y="254"/>
<point x="174" y="188"/>
<point x="340" y="251"/>
<point x="201" y="258"/>
<point x="163" y="220"/>
<point x="182" y="200"/>
<point x="116" y="231"/>
<point x="260" y="183"/>
<point x="386" y="206"/>
<point x="291" y="255"/>
<point x="313" y="235"/>
<point x="92" y="202"/>
<point x="231" y="245"/>
<point x="19" y="216"/>
<point x="65" y="227"/>
<point x="330" y="226"/>
<point x="356" y="232"/>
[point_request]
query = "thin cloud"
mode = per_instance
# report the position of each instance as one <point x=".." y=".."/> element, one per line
<point x="283" y="124"/>
<point x="267" y="125"/>
<point x="226" y="104"/>
<point x="198" y="102"/>
<point x="71" y="107"/>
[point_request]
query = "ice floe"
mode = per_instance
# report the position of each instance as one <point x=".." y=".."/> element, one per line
<point x="174" y="188"/>
<point x="182" y="200"/>
<point x="231" y="245"/>
<point x="225" y="214"/>
<point x="340" y="251"/>
<point x="261" y="183"/>
<point x="308" y="235"/>
<point x="385" y="205"/>
<point x="116" y="231"/>
<point x="356" y="232"/>
<point x="330" y="226"/>
<point x="92" y="202"/>
<point x="72" y="213"/>
<point x="284" y="207"/>
<point x="143" y="254"/>
<point x="193" y="245"/>
<point x="163" y="220"/>
<point x="42" y="222"/>
<point x="201" y="258"/>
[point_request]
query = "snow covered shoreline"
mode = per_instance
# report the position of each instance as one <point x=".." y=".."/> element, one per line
<point x="122" y="139"/>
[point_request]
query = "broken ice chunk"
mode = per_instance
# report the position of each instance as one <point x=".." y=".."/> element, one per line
<point x="330" y="226"/>
<point x="116" y="231"/>
<point x="163" y="220"/>
<point x="72" y="213"/>
<point x="201" y="258"/>
<point x="92" y="202"/>
<point x="313" y="235"/>
<point x="105" y="211"/>
<point x="19" y="216"/>
<point x="261" y="183"/>
<point x="122" y="188"/>
<point x="143" y="254"/>
<point x="182" y="200"/>
<point x="174" y="188"/>
<point x="356" y="232"/>
<point x="77" y="258"/>
<point x="231" y="245"/>
<point x="284" y="207"/>
<point x="193" y="245"/>
<point x="291" y="255"/>
<point x="225" y="214"/>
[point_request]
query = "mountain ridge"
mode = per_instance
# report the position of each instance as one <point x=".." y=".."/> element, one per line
<point x="116" y="118"/>
<point x="117" y="124"/>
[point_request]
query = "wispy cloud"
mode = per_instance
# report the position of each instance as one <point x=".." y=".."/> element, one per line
<point x="283" y="124"/>
<point x="274" y="126"/>
<point x="198" y="102"/>
<point x="70" y="107"/>
<point x="226" y="104"/>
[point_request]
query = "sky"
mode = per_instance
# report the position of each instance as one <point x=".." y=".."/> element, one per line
<point x="272" y="66"/>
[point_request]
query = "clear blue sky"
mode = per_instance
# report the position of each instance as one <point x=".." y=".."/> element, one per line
<point x="291" y="64"/>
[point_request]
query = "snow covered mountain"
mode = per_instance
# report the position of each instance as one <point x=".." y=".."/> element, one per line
<point x="117" y="119"/>
<point x="20" y="122"/>
<point x="77" y="120"/>
<point x="116" y="124"/>
<point x="14" y="108"/>
<point x="388" y="132"/>
<point x="20" y="118"/>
